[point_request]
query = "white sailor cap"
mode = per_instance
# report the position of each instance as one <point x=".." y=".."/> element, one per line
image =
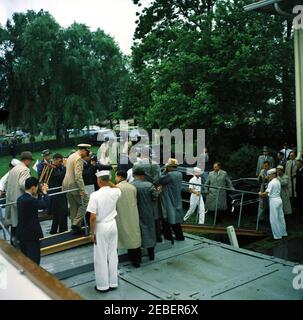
<point x="15" y="162"/>
<point x="197" y="170"/>
<point x="84" y="146"/>
<point x="271" y="171"/>
<point x="103" y="173"/>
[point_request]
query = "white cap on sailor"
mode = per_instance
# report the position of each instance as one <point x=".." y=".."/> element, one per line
<point x="197" y="170"/>
<point x="271" y="171"/>
<point x="15" y="162"/>
<point x="103" y="173"/>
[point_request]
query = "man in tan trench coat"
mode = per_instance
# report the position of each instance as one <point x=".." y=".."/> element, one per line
<point x="129" y="234"/>
<point x="15" y="188"/>
<point x="73" y="179"/>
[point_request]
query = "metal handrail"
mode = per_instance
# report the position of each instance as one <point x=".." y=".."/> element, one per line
<point x="223" y="188"/>
<point x="5" y="230"/>
<point x="50" y="195"/>
<point x="243" y="192"/>
<point x="51" y="189"/>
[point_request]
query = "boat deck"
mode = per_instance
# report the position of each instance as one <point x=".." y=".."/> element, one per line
<point x="195" y="269"/>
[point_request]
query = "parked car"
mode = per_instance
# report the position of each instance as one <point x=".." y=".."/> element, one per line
<point x="90" y="130"/>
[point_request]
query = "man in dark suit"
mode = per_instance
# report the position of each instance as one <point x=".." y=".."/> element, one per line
<point x="28" y="229"/>
<point x="58" y="207"/>
<point x="299" y="185"/>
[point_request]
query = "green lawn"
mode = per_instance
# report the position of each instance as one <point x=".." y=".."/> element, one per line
<point x="4" y="161"/>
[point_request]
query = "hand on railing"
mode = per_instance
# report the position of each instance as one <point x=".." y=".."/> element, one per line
<point x="44" y="188"/>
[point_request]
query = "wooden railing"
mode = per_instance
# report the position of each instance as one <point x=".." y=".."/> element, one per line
<point x="42" y="279"/>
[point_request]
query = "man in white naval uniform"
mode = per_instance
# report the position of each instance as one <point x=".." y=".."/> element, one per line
<point x="196" y="200"/>
<point x="103" y="152"/>
<point x="4" y="179"/>
<point x="276" y="214"/>
<point x="104" y="234"/>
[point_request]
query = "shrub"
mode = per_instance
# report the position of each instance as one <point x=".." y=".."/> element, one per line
<point x="243" y="162"/>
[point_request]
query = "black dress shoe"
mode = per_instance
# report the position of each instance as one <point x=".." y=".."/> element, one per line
<point x="101" y="291"/>
<point x="159" y="239"/>
<point x="151" y="256"/>
<point x="76" y="230"/>
<point x="136" y="264"/>
<point x="180" y="239"/>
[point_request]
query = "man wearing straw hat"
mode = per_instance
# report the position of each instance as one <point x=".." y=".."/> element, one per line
<point x="15" y="188"/>
<point x="73" y="179"/>
<point x="171" y="200"/>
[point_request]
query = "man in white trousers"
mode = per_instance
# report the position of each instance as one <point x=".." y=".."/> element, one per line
<point x="104" y="234"/>
<point x="103" y="152"/>
<point x="276" y="214"/>
<point x="196" y="199"/>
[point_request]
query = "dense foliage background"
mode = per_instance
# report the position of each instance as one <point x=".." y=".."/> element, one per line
<point x="55" y="78"/>
<point x="194" y="64"/>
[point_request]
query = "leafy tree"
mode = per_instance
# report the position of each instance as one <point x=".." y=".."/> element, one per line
<point x="58" y="78"/>
<point x="209" y="64"/>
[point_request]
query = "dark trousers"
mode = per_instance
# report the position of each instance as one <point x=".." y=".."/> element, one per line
<point x="31" y="249"/>
<point x="58" y="209"/>
<point x="158" y="230"/>
<point x="59" y="220"/>
<point x="176" y="228"/>
<point x="151" y="253"/>
<point x="13" y="236"/>
<point x="134" y="255"/>
<point x="293" y="202"/>
<point x="167" y="233"/>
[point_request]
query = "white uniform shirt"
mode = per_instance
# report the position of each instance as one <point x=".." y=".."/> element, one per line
<point x="103" y="203"/>
<point x="195" y="180"/>
<point x="130" y="177"/>
<point x="3" y="182"/>
<point x="274" y="188"/>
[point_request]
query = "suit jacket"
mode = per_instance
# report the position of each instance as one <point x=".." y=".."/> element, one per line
<point x="291" y="169"/>
<point x="28" y="228"/>
<point x="299" y="184"/>
<point x="219" y="179"/>
<point x="73" y="178"/>
<point x="89" y="174"/>
<point x="261" y="160"/>
<point x="15" y="188"/>
<point x="40" y="166"/>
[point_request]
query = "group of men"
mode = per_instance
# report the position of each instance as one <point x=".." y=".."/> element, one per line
<point x="122" y="214"/>
<point x="281" y="191"/>
<point x="132" y="204"/>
